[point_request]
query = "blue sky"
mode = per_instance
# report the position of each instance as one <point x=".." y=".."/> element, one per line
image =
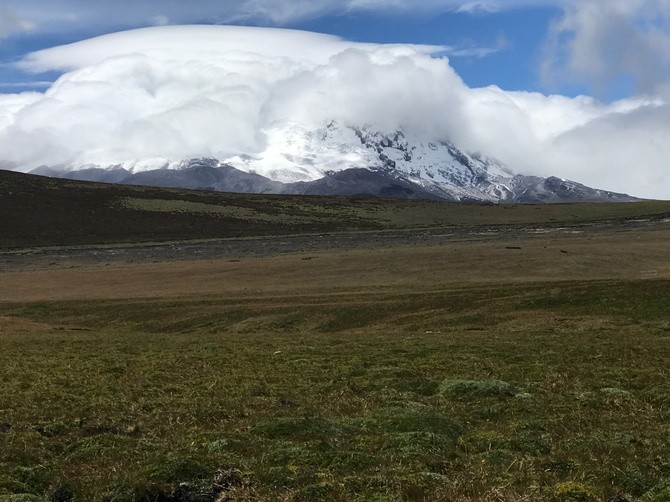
<point x="515" y="37"/>
<point x="514" y="34"/>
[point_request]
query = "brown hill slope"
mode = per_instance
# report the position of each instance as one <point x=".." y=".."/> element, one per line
<point x="40" y="211"/>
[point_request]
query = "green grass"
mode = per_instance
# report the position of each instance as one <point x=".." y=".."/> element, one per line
<point x="377" y="377"/>
<point x="558" y="392"/>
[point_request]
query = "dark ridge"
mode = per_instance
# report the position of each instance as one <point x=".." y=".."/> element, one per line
<point x="43" y="211"/>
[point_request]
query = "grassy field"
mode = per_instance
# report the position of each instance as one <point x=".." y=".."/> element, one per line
<point x="527" y="392"/>
<point x="518" y="366"/>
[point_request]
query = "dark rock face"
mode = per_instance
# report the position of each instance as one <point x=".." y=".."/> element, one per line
<point x="361" y="182"/>
<point x="534" y="190"/>
<point x="196" y="174"/>
<point x="204" y="176"/>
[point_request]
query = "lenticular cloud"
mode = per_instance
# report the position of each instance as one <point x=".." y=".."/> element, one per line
<point x="179" y="92"/>
<point x="147" y="97"/>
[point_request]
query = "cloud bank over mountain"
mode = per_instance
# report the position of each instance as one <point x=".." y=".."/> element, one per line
<point x="187" y="91"/>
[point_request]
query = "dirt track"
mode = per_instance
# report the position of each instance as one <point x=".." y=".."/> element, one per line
<point x="258" y="247"/>
<point x="328" y="264"/>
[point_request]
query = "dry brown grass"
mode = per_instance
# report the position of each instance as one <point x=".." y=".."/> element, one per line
<point x="635" y="254"/>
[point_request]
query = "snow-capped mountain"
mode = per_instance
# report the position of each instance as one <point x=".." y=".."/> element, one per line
<point x="296" y="153"/>
<point x="339" y="159"/>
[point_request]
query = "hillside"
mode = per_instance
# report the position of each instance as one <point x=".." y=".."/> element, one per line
<point x="40" y="211"/>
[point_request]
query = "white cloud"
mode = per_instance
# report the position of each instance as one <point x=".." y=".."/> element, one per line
<point x="160" y="20"/>
<point x="631" y="147"/>
<point x="37" y="84"/>
<point x="620" y="146"/>
<point x="187" y="43"/>
<point x="12" y="23"/>
<point x="179" y="92"/>
<point x="599" y="43"/>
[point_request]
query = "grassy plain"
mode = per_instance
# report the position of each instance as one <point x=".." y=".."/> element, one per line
<point x="525" y="365"/>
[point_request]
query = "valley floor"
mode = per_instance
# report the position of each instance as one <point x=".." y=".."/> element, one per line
<point x="487" y="363"/>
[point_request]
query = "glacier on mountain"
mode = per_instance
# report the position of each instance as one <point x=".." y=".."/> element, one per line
<point x="297" y="153"/>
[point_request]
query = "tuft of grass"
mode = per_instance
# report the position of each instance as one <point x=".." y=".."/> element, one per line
<point x="571" y="491"/>
<point x="175" y="470"/>
<point x="20" y="497"/>
<point x="659" y="493"/>
<point x="304" y="428"/>
<point x="419" y="443"/>
<point x="319" y="491"/>
<point x="473" y="389"/>
<point x="414" y="419"/>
